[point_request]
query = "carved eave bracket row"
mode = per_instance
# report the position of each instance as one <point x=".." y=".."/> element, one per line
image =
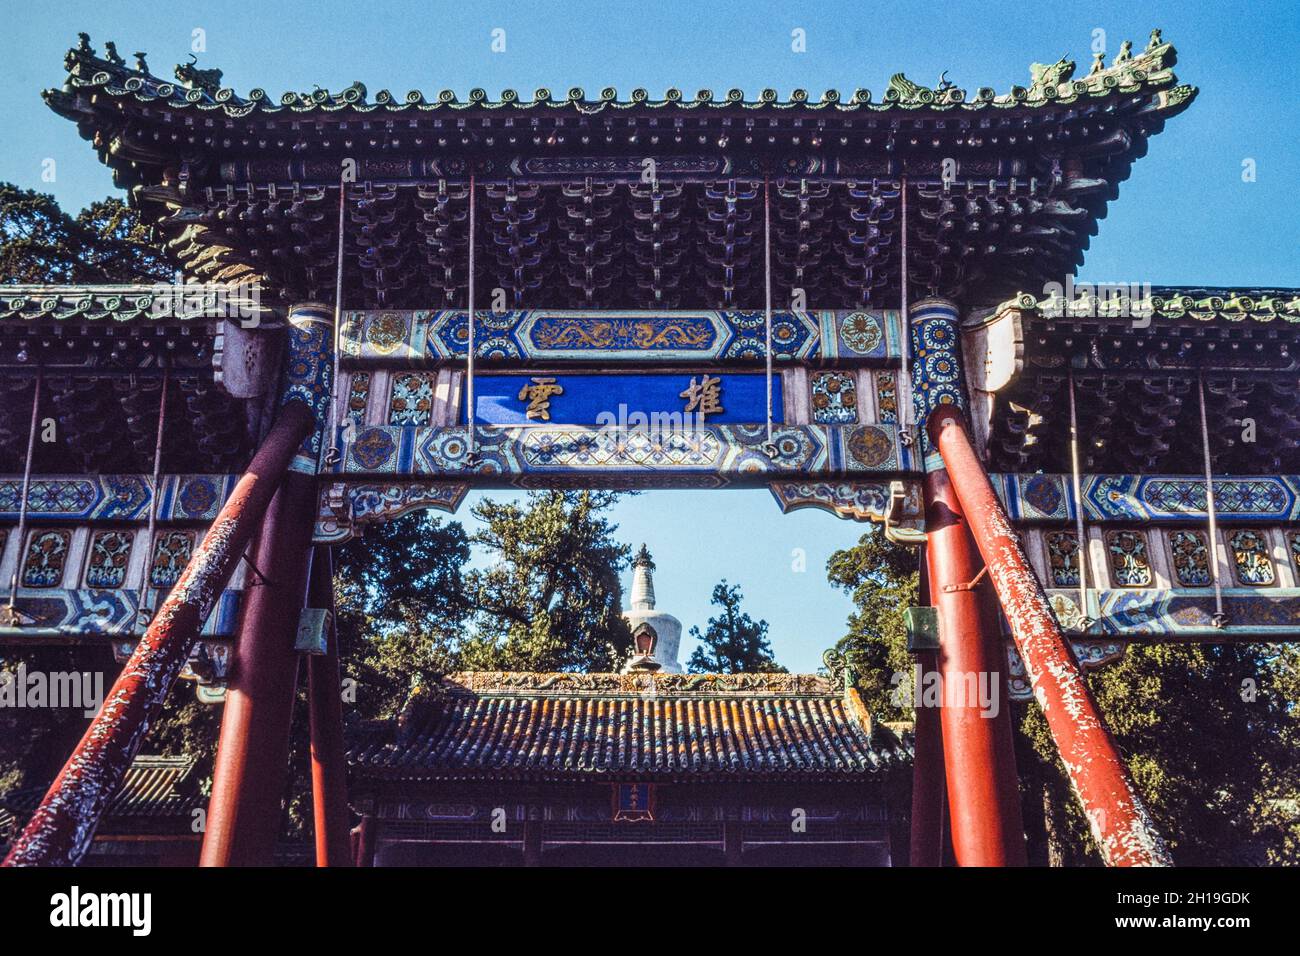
<point x="1006" y="188"/>
<point x="1135" y="357"/>
<point x="102" y="354"/>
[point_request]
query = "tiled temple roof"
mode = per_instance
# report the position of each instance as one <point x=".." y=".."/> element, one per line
<point x="1203" y="305"/>
<point x="152" y="787"/>
<point x="200" y="91"/>
<point x="117" y="304"/>
<point x="1006" y="189"/>
<point x="648" y="726"/>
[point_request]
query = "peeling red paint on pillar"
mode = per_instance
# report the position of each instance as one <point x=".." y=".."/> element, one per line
<point x="1119" y="820"/>
<point x="979" y="760"/>
<point x="60" y="831"/>
<point x="252" y="763"/>
<point x="329" y="773"/>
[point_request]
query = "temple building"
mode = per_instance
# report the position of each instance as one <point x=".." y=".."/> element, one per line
<point x="656" y="635"/>
<point x="866" y="304"/>
<point x="637" y="769"/>
<point x="154" y="819"/>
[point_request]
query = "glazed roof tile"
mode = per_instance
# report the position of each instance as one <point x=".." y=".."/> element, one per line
<point x="200" y="91"/>
<point x="1170" y="303"/>
<point x="121" y="303"/>
<point x="583" y="726"/>
<point x="153" y="786"/>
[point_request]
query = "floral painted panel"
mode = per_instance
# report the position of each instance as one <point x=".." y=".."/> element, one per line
<point x="1063" y="558"/>
<point x="1191" y="554"/>
<point x="171" y="552"/>
<point x="411" y="402"/>
<point x="1129" y="564"/>
<point x="1251" y="558"/>
<point x="358" y="394"/>
<point x="109" y="553"/>
<point x="886" y="397"/>
<point x="47" y="553"/>
<point x="834" y="398"/>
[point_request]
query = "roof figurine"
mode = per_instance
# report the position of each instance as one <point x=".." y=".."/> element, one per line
<point x="110" y="72"/>
<point x="195" y="79"/>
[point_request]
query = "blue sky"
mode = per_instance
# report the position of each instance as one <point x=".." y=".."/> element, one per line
<point x="1184" y="217"/>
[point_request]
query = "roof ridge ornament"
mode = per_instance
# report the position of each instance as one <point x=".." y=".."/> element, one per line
<point x="1049" y="76"/>
<point x="193" y="78"/>
<point x="904" y="92"/>
<point x="1129" y="72"/>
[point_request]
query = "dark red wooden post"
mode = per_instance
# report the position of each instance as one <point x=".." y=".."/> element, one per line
<point x="366" y="841"/>
<point x="329" y="773"/>
<point x="979" y="761"/>
<point x="252" y="765"/>
<point x="252" y="761"/>
<point x="1120" y="823"/>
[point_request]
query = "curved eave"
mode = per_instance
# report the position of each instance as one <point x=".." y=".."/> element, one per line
<point x="1168" y="101"/>
<point x="121" y="304"/>
<point x="1149" y="71"/>
<point x="373" y="775"/>
<point x="1168" y="304"/>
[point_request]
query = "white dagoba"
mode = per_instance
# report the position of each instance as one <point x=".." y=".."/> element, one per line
<point x="655" y="635"/>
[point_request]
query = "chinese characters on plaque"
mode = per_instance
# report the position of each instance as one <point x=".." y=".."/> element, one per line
<point x="596" y="398"/>
<point x="705" y="398"/>
<point x="538" y="395"/>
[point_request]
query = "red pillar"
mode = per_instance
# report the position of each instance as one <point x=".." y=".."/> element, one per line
<point x="366" y="841"/>
<point x="329" y="774"/>
<point x="63" y="826"/>
<point x="252" y="761"/>
<point x="1119" y="820"/>
<point x="928" y="784"/>
<point x="979" y="760"/>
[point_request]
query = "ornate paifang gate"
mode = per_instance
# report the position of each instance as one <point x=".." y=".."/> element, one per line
<point x="680" y="293"/>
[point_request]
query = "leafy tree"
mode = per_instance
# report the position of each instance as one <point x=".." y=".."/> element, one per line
<point x="881" y="578"/>
<point x="551" y="596"/>
<point x="1215" y="763"/>
<point x="107" y="242"/>
<point x="733" y="643"/>
<point x="1213" y="757"/>
<point x="401" y="605"/>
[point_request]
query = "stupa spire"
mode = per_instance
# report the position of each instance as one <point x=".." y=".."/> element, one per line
<point x="643" y="585"/>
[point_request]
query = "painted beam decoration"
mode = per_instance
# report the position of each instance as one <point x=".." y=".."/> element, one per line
<point x="73" y="614"/>
<point x="116" y="497"/>
<point x="1091" y="653"/>
<point x="708" y="456"/>
<point x="1127" y="615"/>
<point x="346" y="507"/>
<point x="855" y="500"/>
<point x="1149" y="498"/>
<point x="538" y="335"/>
